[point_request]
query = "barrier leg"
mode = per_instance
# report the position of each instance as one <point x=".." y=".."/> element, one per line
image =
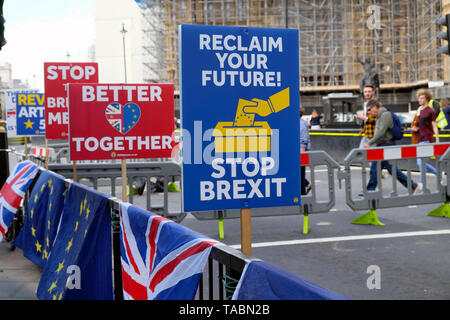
<point x="441" y="211"/>
<point x="369" y="218"/>
<point x="305" y="220"/>
<point x="221" y="230"/>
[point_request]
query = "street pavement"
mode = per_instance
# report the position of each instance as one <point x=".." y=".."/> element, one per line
<point x="405" y="259"/>
<point x="19" y="277"/>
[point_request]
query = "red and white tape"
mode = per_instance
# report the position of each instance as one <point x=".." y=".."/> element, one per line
<point x="40" y="151"/>
<point x="407" y="152"/>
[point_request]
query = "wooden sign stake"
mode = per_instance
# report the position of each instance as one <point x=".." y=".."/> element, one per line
<point x="75" y="171"/>
<point x="46" y="154"/>
<point x="26" y="147"/>
<point x="124" y="180"/>
<point x="246" y="231"/>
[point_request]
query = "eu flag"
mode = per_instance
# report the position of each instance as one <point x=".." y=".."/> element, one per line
<point x="80" y="264"/>
<point x="42" y="218"/>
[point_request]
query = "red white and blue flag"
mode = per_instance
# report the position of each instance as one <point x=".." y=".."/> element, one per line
<point x="13" y="191"/>
<point x="123" y="119"/>
<point x="161" y="260"/>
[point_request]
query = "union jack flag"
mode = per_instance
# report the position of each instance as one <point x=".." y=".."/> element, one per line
<point x="123" y="118"/>
<point x="113" y="114"/>
<point x="161" y="260"/>
<point x="13" y="191"/>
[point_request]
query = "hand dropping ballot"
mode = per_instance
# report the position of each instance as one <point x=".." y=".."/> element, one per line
<point x="246" y="135"/>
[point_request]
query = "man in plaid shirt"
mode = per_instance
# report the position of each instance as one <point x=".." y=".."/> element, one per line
<point x="369" y="120"/>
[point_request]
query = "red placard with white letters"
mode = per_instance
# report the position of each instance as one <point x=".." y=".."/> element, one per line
<point x="120" y="121"/>
<point x="56" y="77"/>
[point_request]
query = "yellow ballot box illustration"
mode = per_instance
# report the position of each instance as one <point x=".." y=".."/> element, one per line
<point x="245" y="134"/>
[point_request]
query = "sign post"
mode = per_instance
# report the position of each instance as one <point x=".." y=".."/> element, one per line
<point x="46" y="154"/>
<point x="240" y="108"/>
<point x="246" y="231"/>
<point x="124" y="180"/>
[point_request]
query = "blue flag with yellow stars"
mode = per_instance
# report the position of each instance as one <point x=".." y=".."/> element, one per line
<point x="42" y="218"/>
<point x="80" y="264"/>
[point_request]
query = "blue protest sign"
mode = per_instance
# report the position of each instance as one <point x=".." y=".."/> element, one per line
<point x="30" y="114"/>
<point x="240" y="107"/>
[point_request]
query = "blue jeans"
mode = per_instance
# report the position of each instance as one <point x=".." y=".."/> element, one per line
<point x="304" y="182"/>
<point x="428" y="167"/>
<point x="373" y="180"/>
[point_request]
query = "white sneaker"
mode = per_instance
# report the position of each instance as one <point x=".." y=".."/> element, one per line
<point x="419" y="188"/>
<point x="444" y="180"/>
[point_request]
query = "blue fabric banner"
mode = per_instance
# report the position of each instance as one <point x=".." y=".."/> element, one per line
<point x="80" y="265"/>
<point x="264" y="281"/>
<point x="41" y="223"/>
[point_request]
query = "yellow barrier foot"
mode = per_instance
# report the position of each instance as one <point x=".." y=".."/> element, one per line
<point x="441" y="211"/>
<point x="172" y="187"/>
<point x="369" y="218"/>
<point x="305" y="224"/>
<point x="221" y="231"/>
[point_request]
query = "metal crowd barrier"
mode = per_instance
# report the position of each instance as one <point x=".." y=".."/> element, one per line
<point x="39" y="160"/>
<point x="111" y="172"/>
<point x="357" y="161"/>
<point x="310" y="203"/>
<point x="391" y="196"/>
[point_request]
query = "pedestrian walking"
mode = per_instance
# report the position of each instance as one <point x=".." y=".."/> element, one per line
<point x="382" y="138"/>
<point x="305" y="145"/>
<point x="426" y="128"/>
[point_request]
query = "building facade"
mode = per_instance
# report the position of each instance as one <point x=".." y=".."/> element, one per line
<point x="397" y="37"/>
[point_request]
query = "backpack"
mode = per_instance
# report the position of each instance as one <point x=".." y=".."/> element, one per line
<point x="397" y="129"/>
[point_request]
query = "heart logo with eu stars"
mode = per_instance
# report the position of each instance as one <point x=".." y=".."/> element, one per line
<point x="123" y="118"/>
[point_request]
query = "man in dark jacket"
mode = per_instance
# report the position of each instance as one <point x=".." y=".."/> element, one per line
<point x="383" y="138"/>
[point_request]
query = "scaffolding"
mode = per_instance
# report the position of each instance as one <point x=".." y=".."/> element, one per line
<point x="397" y="36"/>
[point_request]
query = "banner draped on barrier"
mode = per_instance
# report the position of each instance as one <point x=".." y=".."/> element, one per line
<point x="42" y="218"/>
<point x="161" y="260"/>
<point x="13" y="191"/>
<point x="262" y="281"/>
<point x="80" y="265"/>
